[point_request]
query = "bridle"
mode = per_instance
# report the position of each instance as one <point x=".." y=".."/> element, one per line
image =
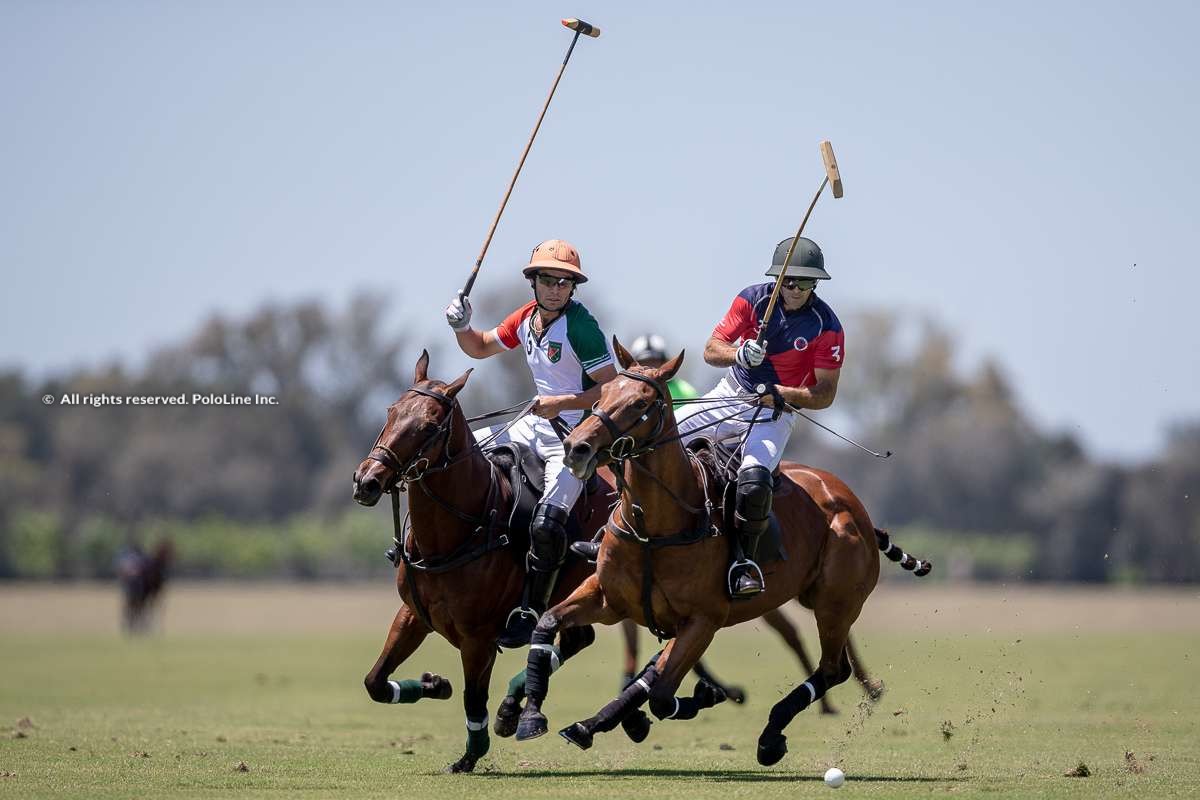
<point x="624" y="446"/>
<point x="418" y="466"/>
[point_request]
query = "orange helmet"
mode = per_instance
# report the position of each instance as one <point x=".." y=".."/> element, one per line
<point x="555" y="254"/>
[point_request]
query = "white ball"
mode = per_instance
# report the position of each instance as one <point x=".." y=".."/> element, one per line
<point x="834" y="777"/>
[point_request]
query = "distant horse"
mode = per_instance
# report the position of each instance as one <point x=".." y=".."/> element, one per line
<point x="457" y="571"/>
<point x="142" y="580"/>
<point x="660" y="565"/>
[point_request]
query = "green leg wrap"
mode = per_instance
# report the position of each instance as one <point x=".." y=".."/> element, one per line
<point x="516" y="686"/>
<point x="478" y="743"/>
<point x="408" y="691"/>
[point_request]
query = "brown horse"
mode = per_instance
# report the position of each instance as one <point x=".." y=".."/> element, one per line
<point x="456" y="574"/>
<point x="660" y="565"/>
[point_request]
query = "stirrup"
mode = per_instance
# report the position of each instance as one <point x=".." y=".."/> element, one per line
<point x="589" y="551"/>
<point x="510" y="638"/>
<point x="751" y="568"/>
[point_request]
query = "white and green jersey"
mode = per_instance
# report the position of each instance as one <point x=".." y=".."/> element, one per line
<point x="565" y="356"/>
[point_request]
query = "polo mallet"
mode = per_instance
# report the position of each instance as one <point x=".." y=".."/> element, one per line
<point x="832" y="178"/>
<point x="580" y="27"/>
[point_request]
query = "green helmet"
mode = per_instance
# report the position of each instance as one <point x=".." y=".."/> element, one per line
<point x="807" y="261"/>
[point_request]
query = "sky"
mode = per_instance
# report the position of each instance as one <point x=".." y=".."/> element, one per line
<point x="1025" y="173"/>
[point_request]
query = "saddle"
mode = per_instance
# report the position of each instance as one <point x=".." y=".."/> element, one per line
<point x="719" y="459"/>
<point x="527" y="479"/>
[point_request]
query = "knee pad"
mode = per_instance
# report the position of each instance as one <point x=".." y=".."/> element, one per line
<point x="548" y="537"/>
<point x="754" y="493"/>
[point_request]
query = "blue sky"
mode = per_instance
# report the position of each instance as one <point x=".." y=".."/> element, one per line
<point x="1025" y="172"/>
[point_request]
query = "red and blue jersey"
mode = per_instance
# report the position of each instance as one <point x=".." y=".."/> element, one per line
<point x="798" y="342"/>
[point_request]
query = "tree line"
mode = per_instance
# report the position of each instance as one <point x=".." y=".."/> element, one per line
<point x="264" y="490"/>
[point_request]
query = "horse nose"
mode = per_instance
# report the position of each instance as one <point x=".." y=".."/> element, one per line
<point x="367" y="491"/>
<point x="581" y="452"/>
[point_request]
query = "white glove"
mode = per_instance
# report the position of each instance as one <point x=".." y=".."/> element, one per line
<point x="750" y="354"/>
<point x="458" y="313"/>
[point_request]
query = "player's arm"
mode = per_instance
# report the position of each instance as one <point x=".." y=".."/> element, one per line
<point x="479" y="344"/>
<point x="816" y="397"/>
<point x="555" y="405"/>
<point x="719" y="353"/>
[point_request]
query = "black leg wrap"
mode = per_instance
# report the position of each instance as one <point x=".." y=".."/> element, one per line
<point x="574" y="640"/>
<point x="797" y="700"/>
<point x="630" y="698"/>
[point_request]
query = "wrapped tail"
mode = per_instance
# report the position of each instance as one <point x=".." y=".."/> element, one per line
<point x="894" y="553"/>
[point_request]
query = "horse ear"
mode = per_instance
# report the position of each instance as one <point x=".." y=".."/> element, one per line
<point x="668" y="370"/>
<point x="623" y="358"/>
<point x="455" y="386"/>
<point x="422" y="365"/>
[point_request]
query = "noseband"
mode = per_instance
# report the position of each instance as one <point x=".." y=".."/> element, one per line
<point x="417" y="466"/>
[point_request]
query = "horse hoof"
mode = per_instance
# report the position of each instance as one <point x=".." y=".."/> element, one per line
<point x="735" y="694"/>
<point x="637" y="726"/>
<point x="435" y="687"/>
<point x="875" y="690"/>
<point x="708" y="695"/>
<point x="532" y="725"/>
<point x="577" y="735"/>
<point x="464" y="764"/>
<point x="507" y="717"/>
<point x="771" y="748"/>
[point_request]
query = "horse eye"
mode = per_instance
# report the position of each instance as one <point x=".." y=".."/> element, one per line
<point x="641" y="404"/>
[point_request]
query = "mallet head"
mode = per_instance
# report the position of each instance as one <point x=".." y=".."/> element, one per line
<point x="831" y="168"/>
<point x="585" y="28"/>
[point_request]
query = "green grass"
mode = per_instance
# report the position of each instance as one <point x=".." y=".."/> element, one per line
<point x="1018" y="713"/>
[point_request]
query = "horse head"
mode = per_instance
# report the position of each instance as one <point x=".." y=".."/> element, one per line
<point x="632" y="411"/>
<point x="416" y="435"/>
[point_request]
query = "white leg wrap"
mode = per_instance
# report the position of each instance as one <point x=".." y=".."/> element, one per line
<point x="812" y="692"/>
<point x="552" y="650"/>
<point x="477" y="724"/>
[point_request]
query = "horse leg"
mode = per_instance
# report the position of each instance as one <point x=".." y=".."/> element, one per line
<point x="873" y="688"/>
<point x="404" y="637"/>
<point x="584" y="606"/>
<point x="478" y="658"/>
<point x="629" y="631"/>
<point x="570" y="642"/>
<point x="735" y="693"/>
<point x="791" y="637"/>
<point x="833" y="626"/>
<point x="690" y="642"/>
<point x="624" y="710"/>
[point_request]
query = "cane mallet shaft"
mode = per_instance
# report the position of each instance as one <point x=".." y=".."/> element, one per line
<point x="833" y="178"/>
<point x="581" y="28"/>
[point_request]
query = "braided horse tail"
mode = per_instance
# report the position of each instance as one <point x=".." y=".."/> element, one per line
<point x="894" y="553"/>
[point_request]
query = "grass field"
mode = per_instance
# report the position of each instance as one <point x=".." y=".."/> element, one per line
<point x="991" y="692"/>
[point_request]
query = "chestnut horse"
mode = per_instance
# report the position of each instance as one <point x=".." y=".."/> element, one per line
<point x="661" y="565"/>
<point x="455" y="573"/>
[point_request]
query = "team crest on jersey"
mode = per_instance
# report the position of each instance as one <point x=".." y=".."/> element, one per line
<point x="554" y="351"/>
<point x="800" y="343"/>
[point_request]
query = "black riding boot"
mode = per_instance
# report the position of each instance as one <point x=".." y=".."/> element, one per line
<point x="588" y="551"/>
<point x="753" y="513"/>
<point x="547" y="549"/>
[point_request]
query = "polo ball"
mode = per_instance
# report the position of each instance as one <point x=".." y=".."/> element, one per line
<point x="834" y="777"/>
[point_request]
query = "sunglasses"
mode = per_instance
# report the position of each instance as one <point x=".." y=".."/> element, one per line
<point x="553" y="281"/>
<point x="799" y="283"/>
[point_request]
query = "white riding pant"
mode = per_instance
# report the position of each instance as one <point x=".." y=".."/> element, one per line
<point x="764" y="446"/>
<point x="561" y="487"/>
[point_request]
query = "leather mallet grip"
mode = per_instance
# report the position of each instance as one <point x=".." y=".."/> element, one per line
<point x="586" y="28"/>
